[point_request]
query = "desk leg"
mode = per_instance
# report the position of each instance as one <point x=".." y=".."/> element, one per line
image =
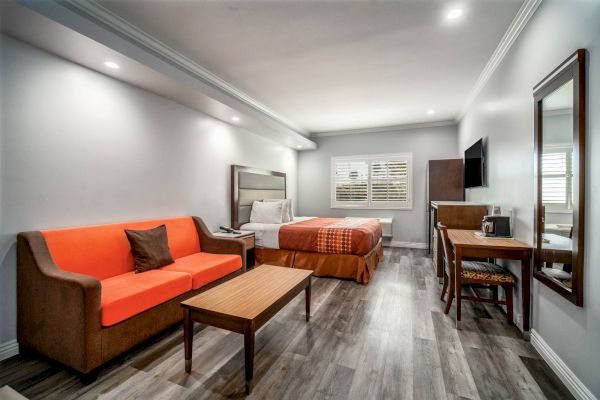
<point x="188" y="337"/>
<point x="526" y="292"/>
<point x="249" y="357"/>
<point x="307" y="300"/>
<point x="458" y="284"/>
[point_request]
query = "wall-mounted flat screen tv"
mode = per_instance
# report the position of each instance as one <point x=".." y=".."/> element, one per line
<point x="475" y="165"/>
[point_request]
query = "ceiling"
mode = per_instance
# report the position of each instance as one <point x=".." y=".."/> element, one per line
<point x="54" y="28"/>
<point x="335" y="66"/>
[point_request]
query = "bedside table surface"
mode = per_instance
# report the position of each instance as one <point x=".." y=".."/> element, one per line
<point x="234" y="235"/>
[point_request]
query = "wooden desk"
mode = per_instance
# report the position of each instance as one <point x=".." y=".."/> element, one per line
<point x="454" y="215"/>
<point x="557" y="249"/>
<point x="467" y="244"/>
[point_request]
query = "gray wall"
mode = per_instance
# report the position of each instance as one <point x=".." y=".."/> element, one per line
<point x="504" y="113"/>
<point x="314" y="173"/>
<point x="78" y="147"/>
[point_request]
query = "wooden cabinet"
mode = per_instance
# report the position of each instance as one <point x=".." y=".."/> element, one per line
<point x="455" y="215"/>
<point x="445" y="180"/>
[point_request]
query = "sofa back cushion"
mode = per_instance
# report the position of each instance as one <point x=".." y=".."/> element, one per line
<point x="103" y="251"/>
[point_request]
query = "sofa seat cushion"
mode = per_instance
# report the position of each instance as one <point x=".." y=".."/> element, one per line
<point x="126" y="295"/>
<point x="205" y="268"/>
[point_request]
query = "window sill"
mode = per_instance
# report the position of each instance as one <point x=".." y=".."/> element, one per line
<point x="371" y="208"/>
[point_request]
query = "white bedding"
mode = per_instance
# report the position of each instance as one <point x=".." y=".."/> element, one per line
<point x="267" y="235"/>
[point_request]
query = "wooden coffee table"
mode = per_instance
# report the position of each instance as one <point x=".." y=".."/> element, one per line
<point x="243" y="305"/>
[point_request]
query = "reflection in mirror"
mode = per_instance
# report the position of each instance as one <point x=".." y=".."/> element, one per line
<point x="557" y="185"/>
<point x="560" y="122"/>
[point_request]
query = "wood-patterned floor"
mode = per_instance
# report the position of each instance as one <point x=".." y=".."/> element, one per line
<point x="387" y="340"/>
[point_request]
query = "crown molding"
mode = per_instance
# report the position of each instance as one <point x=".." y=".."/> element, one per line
<point x="91" y="10"/>
<point x="385" y="129"/>
<point x="519" y="22"/>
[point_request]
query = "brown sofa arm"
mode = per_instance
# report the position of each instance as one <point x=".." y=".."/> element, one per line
<point x="212" y="244"/>
<point x="58" y="312"/>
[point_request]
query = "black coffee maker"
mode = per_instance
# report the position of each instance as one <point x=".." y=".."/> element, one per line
<point x="496" y="226"/>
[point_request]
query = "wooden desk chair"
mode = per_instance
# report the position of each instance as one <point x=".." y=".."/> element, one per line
<point x="475" y="272"/>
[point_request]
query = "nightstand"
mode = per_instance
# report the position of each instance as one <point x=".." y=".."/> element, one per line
<point x="248" y="237"/>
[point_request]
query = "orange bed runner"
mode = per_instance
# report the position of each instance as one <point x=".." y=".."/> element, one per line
<point x="357" y="236"/>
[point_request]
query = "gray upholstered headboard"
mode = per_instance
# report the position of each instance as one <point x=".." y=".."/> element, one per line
<point x="250" y="184"/>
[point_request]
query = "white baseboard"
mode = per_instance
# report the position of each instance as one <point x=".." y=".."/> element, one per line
<point x="411" y="245"/>
<point x="570" y="380"/>
<point x="9" y="349"/>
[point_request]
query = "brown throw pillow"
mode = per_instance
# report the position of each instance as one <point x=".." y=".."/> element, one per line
<point x="150" y="248"/>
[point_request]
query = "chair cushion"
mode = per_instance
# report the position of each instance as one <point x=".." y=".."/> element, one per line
<point x="126" y="295"/>
<point x="205" y="268"/>
<point x="484" y="271"/>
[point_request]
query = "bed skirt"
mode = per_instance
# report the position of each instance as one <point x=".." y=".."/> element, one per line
<point x="345" y="266"/>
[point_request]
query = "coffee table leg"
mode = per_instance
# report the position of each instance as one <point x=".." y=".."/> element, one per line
<point x="307" y="299"/>
<point x="249" y="357"/>
<point x="188" y="337"/>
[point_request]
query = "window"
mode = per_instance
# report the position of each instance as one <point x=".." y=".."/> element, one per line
<point x="557" y="177"/>
<point x="375" y="181"/>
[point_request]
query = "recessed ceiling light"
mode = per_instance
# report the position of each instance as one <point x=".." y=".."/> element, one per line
<point x="299" y="146"/>
<point x="454" y="13"/>
<point x="430" y="112"/>
<point x="111" y="64"/>
<point x="235" y="118"/>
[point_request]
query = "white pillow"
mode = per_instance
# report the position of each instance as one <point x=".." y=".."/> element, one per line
<point x="291" y="210"/>
<point x="286" y="209"/>
<point x="266" y="212"/>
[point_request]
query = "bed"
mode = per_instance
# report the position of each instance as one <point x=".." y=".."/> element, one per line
<point x="347" y="248"/>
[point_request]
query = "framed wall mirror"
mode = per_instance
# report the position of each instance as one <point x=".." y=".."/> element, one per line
<point x="560" y="105"/>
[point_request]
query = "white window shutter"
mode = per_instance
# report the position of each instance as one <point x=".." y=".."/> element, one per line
<point x="557" y="177"/>
<point x="376" y="181"/>
<point x="389" y="181"/>
<point x="351" y="180"/>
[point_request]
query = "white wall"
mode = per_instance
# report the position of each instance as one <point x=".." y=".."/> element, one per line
<point x="78" y="147"/>
<point x="504" y="113"/>
<point x="314" y="173"/>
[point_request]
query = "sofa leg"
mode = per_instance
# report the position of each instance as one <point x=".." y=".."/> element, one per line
<point x="88" y="378"/>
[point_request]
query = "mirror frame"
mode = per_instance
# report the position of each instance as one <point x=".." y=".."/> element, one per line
<point x="573" y="68"/>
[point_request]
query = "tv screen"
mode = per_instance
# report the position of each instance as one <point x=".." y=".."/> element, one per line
<point x="474" y="165"/>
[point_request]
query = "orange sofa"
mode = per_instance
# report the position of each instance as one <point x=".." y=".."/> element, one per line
<point x="80" y="302"/>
